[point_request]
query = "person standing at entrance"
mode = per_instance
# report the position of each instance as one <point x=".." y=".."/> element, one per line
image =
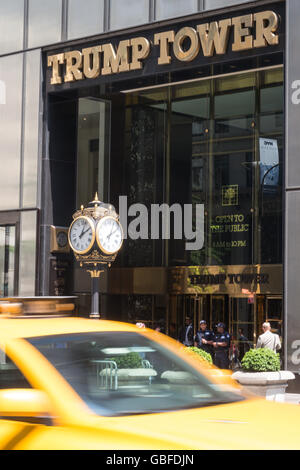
<point x="268" y="339"/>
<point x="221" y="346"/>
<point x="186" y="334"/>
<point x="204" y="338"/>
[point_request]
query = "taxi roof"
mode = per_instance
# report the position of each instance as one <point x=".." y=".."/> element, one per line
<point x="33" y="327"/>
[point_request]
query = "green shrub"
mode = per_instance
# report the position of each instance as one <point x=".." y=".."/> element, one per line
<point x="261" y="360"/>
<point x="203" y="355"/>
<point x="131" y="360"/>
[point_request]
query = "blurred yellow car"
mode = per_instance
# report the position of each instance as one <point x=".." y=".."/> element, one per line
<point x="71" y="383"/>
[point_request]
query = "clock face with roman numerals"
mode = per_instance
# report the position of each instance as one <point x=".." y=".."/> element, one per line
<point x="109" y="235"/>
<point x="82" y="235"/>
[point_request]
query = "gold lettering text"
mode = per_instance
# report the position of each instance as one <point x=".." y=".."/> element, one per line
<point x="140" y="51"/>
<point x="115" y="62"/>
<point x="91" y="61"/>
<point x="214" y="37"/>
<point x="192" y="51"/>
<point x="242" y="38"/>
<point x="73" y="65"/>
<point x="266" y="26"/>
<point x="54" y="61"/>
<point x="163" y="40"/>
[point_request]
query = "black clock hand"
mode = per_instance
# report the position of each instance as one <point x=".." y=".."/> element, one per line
<point x="111" y="233"/>
<point x="83" y="233"/>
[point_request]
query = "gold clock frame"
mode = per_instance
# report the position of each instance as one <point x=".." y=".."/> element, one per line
<point x="87" y="250"/>
<point x="111" y="253"/>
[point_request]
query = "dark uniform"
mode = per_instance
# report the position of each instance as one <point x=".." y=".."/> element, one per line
<point x="221" y="359"/>
<point x="186" y="335"/>
<point x="208" y="335"/>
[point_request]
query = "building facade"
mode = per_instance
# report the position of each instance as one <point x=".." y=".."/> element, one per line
<point x="159" y="102"/>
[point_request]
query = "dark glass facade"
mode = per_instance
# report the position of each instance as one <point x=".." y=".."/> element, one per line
<point x="217" y="142"/>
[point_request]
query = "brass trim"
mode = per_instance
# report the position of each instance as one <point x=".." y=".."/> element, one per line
<point x="97" y="235"/>
<point x="90" y="221"/>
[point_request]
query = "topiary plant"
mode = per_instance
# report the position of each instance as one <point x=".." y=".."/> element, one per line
<point x="261" y="360"/>
<point x="202" y="355"/>
<point x="131" y="360"/>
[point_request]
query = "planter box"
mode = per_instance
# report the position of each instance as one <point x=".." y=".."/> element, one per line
<point x="178" y="377"/>
<point x="135" y="375"/>
<point x="270" y="385"/>
<point x="115" y="378"/>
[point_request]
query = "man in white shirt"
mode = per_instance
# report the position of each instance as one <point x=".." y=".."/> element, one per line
<point x="268" y="339"/>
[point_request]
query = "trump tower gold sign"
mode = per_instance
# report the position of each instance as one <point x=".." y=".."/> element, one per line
<point x="250" y="31"/>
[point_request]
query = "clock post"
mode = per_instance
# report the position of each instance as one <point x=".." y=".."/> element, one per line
<point x="96" y="237"/>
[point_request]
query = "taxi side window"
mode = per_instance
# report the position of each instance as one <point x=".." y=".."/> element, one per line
<point x="10" y="374"/>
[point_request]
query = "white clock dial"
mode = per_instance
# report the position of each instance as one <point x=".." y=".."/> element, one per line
<point x="82" y="235"/>
<point x="109" y="235"/>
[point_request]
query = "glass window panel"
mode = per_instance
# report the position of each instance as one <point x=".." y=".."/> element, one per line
<point x="168" y="9"/>
<point x="235" y="104"/>
<point x="27" y="253"/>
<point x="31" y="128"/>
<point x="273" y="76"/>
<point x="2" y="260"/>
<point x="143" y="168"/>
<point x="44" y="22"/>
<point x="271" y="99"/>
<point x="201" y="88"/>
<point x="7" y="260"/>
<point x="211" y="4"/>
<point x="93" y="149"/>
<point x="85" y="18"/>
<point x="129" y="13"/>
<point x="11" y="25"/>
<point x="11" y="68"/>
<point x="235" y="82"/>
<point x="197" y="108"/>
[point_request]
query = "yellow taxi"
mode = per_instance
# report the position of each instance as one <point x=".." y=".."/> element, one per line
<point x="72" y="383"/>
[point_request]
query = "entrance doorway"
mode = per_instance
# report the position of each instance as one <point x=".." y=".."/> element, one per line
<point x="190" y="306"/>
<point x="274" y="314"/>
<point x="242" y="319"/>
<point x="218" y="311"/>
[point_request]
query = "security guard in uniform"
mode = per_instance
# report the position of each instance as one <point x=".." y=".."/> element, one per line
<point x="221" y="346"/>
<point x="204" y="338"/>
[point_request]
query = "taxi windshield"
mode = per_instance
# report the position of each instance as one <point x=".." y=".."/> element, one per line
<point x="124" y="373"/>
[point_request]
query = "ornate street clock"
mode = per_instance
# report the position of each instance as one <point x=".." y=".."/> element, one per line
<point x="96" y="237"/>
